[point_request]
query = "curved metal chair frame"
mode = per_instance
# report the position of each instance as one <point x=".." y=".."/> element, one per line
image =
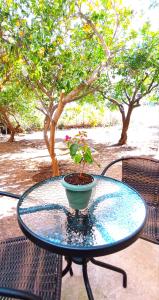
<point x="142" y="173"/>
<point x="17" y="294"/>
<point x="28" y="271"/>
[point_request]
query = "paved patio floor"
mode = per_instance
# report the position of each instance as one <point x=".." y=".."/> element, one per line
<point x="140" y="261"/>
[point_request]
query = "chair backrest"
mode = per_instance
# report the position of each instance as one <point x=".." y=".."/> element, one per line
<point x="141" y="173"/>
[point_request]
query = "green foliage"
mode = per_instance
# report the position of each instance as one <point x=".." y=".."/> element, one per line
<point x="134" y="69"/>
<point x="16" y="96"/>
<point x="54" y="44"/>
<point x="19" y="103"/>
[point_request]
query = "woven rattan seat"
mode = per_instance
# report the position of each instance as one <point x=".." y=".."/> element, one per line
<point x="142" y="173"/>
<point x="25" y="266"/>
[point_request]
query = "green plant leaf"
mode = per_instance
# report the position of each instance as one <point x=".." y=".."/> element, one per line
<point x="78" y="158"/>
<point x="88" y="156"/>
<point x="73" y="149"/>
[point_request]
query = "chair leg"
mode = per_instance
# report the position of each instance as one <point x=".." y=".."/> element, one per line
<point x="113" y="268"/>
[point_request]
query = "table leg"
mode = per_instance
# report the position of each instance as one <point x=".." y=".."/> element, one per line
<point x="113" y="268"/>
<point x="83" y="262"/>
<point x="86" y="281"/>
<point x="68" y="267"/>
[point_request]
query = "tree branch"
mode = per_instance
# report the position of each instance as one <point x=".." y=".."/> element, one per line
<point x="117" y="22"/>
<point x="120" y="106"/>
<point x="32" y="85"/>
<point x="100" y="37"/>
<point x="84" y="87"/>
<point x="41" y="110"/>
<point x="114" y="101"/>
<point x="43" y="89"/>
<point x="136" y="105"/>
<point x="44" y="108"/>
<point x="148" y="91"/>
<point x="84" y="94"/>
<point x="138" y="87"/>
<point x="127" y="96"/>
<point x="125" y="102"/>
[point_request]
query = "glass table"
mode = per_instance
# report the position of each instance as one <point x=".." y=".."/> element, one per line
<point x="113" y="220"/>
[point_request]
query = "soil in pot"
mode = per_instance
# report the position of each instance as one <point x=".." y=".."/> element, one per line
<point x="79" y="178"/>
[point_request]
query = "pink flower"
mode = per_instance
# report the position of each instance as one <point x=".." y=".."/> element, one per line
<point x="67" y="138"/>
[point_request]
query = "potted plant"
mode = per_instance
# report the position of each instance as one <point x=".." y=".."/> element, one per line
<point x="79" y="185"/>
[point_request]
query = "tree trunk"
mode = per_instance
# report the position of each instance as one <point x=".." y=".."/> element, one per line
<point x="12" y="134"/>
<point x="55" y="167"/>
<point x="9" y="125"/>
<point x="46" y="128"/>
<point x="53" y="123"/>
<point x="123" y="137"/>
<point x="50" y="143"/>
<point x="125" y="126"/>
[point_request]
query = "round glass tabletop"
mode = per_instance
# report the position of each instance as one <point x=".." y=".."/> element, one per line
<point x="114" y="218"/>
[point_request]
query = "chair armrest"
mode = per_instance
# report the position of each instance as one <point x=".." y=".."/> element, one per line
<point x="110" y="164"/>
<point x="7" y="194"/>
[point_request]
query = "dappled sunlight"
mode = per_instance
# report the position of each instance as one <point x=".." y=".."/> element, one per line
<point x="3" y="176"/>
<point x="9" y="207"/>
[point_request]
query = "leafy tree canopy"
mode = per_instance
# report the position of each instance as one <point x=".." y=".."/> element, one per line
<point x="57" y="43"/>
<point x="136" y="68"/>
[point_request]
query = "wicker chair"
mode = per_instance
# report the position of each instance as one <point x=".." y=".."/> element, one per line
<point x="28" y="271"/>
<point x="142" y="173"/>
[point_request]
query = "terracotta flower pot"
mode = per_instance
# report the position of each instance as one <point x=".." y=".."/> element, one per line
<point x="78" y="195"/>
